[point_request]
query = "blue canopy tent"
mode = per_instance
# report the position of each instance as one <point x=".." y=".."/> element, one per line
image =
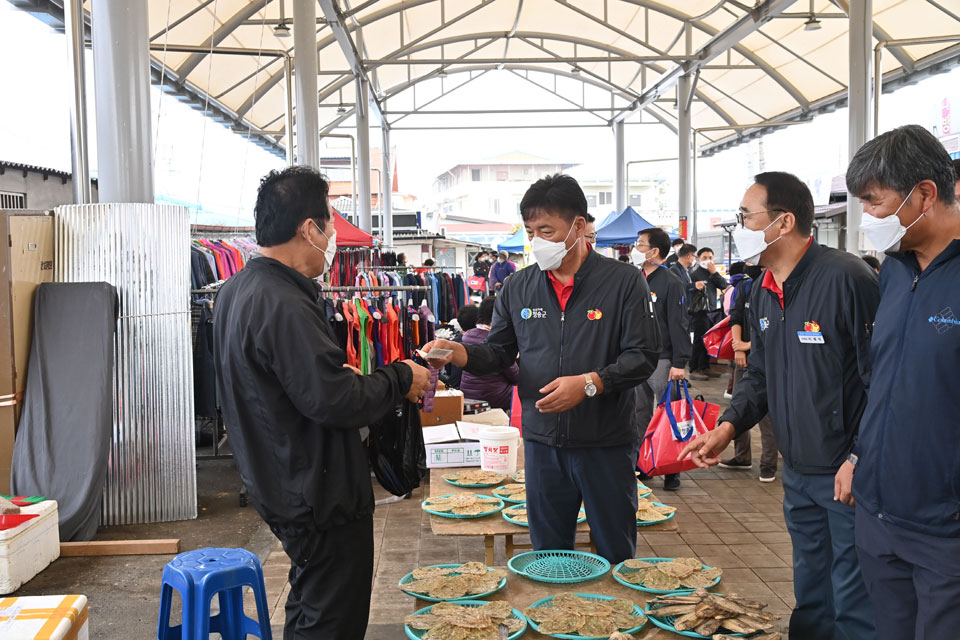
<point x="621" y="229"/>
<point x="515" y="243"/>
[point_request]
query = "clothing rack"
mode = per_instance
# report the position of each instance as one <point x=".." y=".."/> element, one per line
<point x="412" y="289"/>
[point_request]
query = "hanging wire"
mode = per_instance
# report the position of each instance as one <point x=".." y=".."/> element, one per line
<point x="163" y="78"/>
<point x="206" y="104"/>
<point x="246" y="147"/>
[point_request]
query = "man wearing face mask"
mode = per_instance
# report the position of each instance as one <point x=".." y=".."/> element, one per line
<point x="904" y="466"/>
<point x="707" y="279"/>
<point x="294" y="409"/>
<point x="667" y="293"/>
<point x="810" y="319"/>
<point x="584" y="330"/>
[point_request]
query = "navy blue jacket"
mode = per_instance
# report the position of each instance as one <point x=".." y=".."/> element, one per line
<point x="815" y="393"/>
<point x="909" y="446"/>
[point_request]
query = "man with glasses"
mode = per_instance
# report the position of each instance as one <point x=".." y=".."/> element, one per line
<point x="667" y="293"/>
<point x="590" y="236"/>
<point x="811" y="320"/>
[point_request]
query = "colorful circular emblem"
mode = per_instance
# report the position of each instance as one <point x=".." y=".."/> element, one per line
<point x="526" y="314"/>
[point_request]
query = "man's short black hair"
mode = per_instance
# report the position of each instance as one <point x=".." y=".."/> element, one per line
<point x="589" y="218"/>
<point x="485" y="312"/>
<point x="787" y="192"/>
<point x="899" y="160"/>
<point x="956" y="167"/>
<point x="623" y="258"/>
<point x="658" y="239"/>
<point x="429" y="262"/>
<point x="678" y="242"/>
<point x="737" y="267"/>
<point x="467" y="317"/>
<point x="704" y="250"/>
<point x="285" y="199"/>
<point x="873" y="262"/>
<point x="558" y="194"/>
<point x="686" y="250"/>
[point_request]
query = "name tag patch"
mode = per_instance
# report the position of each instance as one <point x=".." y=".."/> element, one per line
<point x="810" y="337"/>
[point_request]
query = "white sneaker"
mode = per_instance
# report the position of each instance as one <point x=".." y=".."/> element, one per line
<point x="727" y="395"/>
<point x="771" y="478"/>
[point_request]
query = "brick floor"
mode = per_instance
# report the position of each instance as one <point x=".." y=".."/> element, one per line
<point x="726" y="518"/>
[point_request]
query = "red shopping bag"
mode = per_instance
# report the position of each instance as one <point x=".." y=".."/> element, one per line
<point x="477" y="283"/>
<point x="674" y="424"/>
<point x="719" y="340"/>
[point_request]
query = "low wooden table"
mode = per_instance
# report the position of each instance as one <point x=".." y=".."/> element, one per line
<point x="494" y="525"/>
<point x="521" y="592"/>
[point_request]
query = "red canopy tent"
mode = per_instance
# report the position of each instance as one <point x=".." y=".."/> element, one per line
<point x="349" y="235"/>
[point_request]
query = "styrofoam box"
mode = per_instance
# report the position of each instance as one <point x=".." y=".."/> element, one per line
<point x="28" y="549"/>
<point x="47" y="617"/>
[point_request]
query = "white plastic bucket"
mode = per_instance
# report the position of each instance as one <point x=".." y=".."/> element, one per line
<point x="498" y="449"/>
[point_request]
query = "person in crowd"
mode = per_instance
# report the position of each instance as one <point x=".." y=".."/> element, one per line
<point x="481" y="266"/>
<point x="295" y="409"/>
<point x="667" y="293"/>
<point x="707" y="280"/>
<point x="956" y="168"/>
<point x="904" y="466"/>
<point x="495" y="388"/>
<point x="591" y="234"/>
<point x="429" y="262"/>
<point x="686" y="258"/>
<point x="466" y="321"/>
<point x="740" y="331"/>
<point x="674" y="252"/>
<point x="809" y="367"/>
<point x="502" y="270"/>
<point x="624" y="258"/>
<point x="736" y="276"/>
<point x="401" y="259"/>
<point x="873" y="262"/>
<point x="589" y="318"/>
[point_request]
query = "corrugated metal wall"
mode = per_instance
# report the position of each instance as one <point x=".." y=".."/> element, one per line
<point x="143" y="250"/>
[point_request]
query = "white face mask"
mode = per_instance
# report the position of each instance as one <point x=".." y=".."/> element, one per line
<point x="752" y="242"/>
<point x="885" y="234"/>
<point x="548" y="254"/>
<point x="331" y="251"/>
<point x="637" y="257"/>
<point x="705" y="264"/>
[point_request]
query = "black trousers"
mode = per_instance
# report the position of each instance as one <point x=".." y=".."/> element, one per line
<point x="559" y="478"/>
<point x="699" y="324"/>
<point x="331" y="573"/>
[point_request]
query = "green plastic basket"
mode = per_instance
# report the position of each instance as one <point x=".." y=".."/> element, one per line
<point x="416" y="634"/>
<point x="483" y="485"/>
<point x="644" y="490"/>
<point x="622" y="569"/>
<point x="644" y="523"/>
<point x="507" y="498"/>
<point x="637" y="612"/>
<point x="506" y="516"/>
<point x="407" y="579"/>
<point x="559" y="567"/>
<point x="494" y="508"/>
<point x="666" y="623"/>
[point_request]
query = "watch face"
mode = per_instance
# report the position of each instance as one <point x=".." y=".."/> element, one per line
<point x="591" y="390"/>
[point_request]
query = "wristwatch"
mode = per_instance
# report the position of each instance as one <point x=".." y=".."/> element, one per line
<point x="590" y="389"/>
<point x="852" y="459"/>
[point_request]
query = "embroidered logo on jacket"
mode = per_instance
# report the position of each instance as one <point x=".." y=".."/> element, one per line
<point x="812" y="327"/>
<point x="594" y="314"/>
<point x="764" y="323"/>
<point x="528" y="313"/>
<point x="944" y="321"/>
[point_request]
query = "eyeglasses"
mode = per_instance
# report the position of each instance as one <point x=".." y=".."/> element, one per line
<point x="590" y="236"/>
<point x="742" y="216"/>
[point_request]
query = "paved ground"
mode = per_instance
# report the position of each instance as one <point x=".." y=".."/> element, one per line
<point x="727" y="518"/>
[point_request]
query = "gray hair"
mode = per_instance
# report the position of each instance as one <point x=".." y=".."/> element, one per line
<point x="899" y="160"/>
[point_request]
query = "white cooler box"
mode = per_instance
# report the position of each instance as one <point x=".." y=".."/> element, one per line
<point x="44" y="617"/>
<point x="28" y="549"/>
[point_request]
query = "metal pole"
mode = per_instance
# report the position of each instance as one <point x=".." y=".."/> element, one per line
<point x="363" y="154"/>
<point x="386" y="195"/>
<point x="877" y="86"/>
<point x="288" y="119"/>
<point x="684" y="154"/>
<point x="859" y="102"/>
<point x="619" y="188"/>
<point x="306" y="63"/>
<point x="73" y="23"/>
<point x="121" y="63"/>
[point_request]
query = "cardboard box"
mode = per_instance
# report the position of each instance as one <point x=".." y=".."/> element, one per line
<point x="447" y="409"/>
<point x="453" y="454"/>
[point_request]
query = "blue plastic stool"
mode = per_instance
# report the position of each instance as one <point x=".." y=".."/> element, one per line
<point x="201" y="574"/>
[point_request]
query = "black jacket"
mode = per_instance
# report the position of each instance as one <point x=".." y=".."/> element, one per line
<point x="909" y="467"/>
<point x="815" y="393"/>
<point x="715" y="282"/>
<point x="741" y="306"/>
<point x="608" y="327"/>
<point x="681" y="272"/>
<point x="668" y="303"/>
<point x="292" y="411"/>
